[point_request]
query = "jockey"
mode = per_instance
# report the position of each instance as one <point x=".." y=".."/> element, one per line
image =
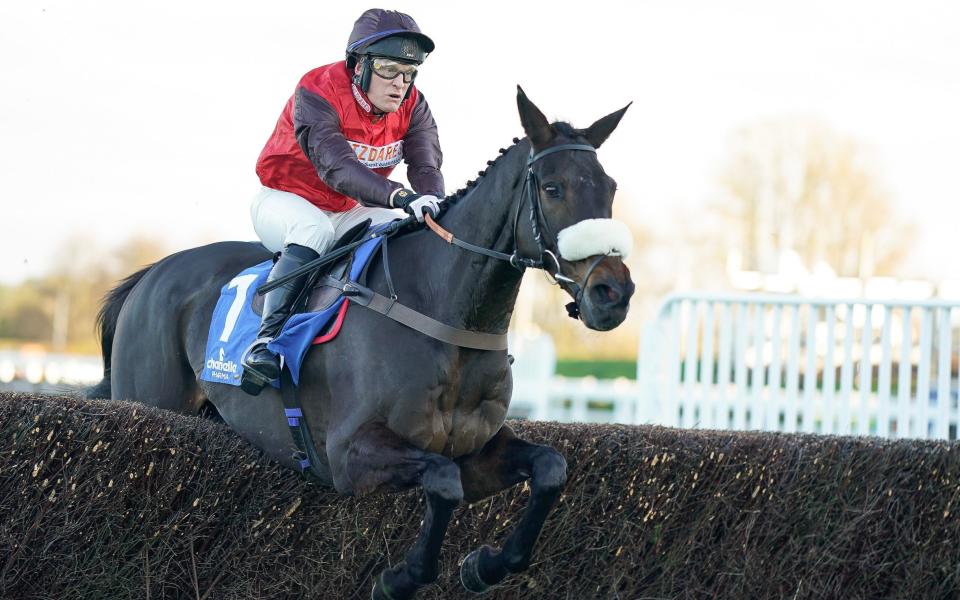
<point x="325" y="167"/>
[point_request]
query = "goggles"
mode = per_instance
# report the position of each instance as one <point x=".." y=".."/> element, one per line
<point x="391" y="69"/>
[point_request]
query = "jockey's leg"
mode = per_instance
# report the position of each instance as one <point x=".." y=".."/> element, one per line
<point x="282" y="218"/>
<point x="343" y="221"/>
<point x="301" y="232"/>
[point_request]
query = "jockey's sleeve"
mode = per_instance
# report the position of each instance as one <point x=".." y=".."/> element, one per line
<point x="317" y="127"/>
<point x="421" y="151"/>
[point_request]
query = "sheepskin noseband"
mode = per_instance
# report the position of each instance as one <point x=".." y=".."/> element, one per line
<point x="593" y="237"/>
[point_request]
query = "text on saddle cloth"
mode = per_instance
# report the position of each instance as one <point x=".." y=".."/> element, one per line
<point x="234" y="325"/>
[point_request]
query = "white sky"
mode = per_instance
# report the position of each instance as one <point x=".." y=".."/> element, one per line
<point x="122" y="118"/>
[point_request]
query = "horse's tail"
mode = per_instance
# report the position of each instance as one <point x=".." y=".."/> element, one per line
<point x="107" y="327"/>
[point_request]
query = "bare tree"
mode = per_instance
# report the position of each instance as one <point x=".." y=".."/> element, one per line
<point x="796" y="185"/>
<point x="60" y="307"/>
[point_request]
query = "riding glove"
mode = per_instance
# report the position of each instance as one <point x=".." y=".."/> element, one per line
<point x="415" y="204"/>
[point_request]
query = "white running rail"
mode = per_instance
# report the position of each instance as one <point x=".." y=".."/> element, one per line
<point x="778" y="363"/>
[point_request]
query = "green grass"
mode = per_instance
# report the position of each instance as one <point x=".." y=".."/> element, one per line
<point x="601" y="369"/>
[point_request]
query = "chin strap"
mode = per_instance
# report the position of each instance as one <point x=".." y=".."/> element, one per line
<point x="361" y="98"/>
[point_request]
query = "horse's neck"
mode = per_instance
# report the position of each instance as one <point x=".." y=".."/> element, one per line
<point x="469" y="290"/>
<point x="484" y="217"/>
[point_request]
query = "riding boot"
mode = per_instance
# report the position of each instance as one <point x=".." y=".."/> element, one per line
<point x="260" y="365"/>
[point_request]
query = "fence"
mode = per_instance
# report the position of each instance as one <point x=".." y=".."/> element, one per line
<point x="775" y="363"/>
<point x="869" y="367"/>
<point x="37" y="371"/>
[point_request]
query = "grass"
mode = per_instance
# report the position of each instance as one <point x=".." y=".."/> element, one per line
<point x="601" y="369"/>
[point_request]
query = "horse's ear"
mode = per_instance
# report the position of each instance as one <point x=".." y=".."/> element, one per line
<point x="598" y="133"/>
<point x="535" y="125"/>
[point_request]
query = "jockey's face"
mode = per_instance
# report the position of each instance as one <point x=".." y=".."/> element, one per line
<point x="386" y="94"/>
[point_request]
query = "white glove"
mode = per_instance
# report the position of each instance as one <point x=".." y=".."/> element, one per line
<point x="416" y="204"/>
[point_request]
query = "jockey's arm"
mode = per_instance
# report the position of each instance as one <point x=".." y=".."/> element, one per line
<point x="317" y="127"/>
<point x="421" y="151"/>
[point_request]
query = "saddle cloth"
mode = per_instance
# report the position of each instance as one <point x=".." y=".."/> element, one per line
<point x="235" y="324"/>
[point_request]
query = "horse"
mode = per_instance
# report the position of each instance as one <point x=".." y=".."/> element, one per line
<point x="393" y="408"/>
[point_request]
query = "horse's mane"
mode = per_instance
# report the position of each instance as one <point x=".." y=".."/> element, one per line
<point x="565" y="129"/>
<point x="457" y="195"/>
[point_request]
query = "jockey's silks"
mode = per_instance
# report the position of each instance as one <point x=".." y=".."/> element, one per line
<point x="327" y="141"/>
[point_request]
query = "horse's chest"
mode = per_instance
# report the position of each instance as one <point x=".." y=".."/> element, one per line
<point x="458" y="417"/>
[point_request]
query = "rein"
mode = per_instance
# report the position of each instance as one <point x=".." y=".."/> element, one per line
<point x="530" y="191"/>
<point x="515" y="260"/>
<point x="536" y="214"/>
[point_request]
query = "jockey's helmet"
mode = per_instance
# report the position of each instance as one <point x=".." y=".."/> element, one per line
<point x="387" y="34"/>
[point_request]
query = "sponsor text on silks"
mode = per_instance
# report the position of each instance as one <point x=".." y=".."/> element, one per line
<point x="378" y="157"/>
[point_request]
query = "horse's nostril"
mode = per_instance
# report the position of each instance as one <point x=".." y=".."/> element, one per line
<point x="604" y="294"/>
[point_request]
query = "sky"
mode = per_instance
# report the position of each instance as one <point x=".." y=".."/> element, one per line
<point x="134" y="118"/>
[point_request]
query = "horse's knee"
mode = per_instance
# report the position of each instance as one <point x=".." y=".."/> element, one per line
<point x="441" y="480"/>
<point x="549" y="470"/>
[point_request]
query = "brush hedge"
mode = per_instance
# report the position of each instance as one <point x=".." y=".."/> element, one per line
<point x="104" y="499"/>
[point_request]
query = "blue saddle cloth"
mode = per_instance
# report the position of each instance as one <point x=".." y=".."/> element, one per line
<point x="234" y="325"/>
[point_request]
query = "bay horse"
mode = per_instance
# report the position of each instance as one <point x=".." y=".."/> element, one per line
<point x="393" y="408"/>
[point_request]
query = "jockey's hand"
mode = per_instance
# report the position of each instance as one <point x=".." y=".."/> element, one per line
<point x="416" y="204"/>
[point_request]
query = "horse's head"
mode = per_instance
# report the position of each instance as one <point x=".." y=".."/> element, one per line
<point x="568" y="201"/>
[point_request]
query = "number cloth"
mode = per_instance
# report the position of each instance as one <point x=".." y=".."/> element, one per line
<point x="234" y="324"/>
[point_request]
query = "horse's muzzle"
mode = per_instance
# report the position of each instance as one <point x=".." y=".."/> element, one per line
<point x="606" y="296"/>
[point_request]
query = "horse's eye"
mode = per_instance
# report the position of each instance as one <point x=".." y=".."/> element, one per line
<point x="552" y="189"/>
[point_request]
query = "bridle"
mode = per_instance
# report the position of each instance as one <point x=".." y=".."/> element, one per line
<point x="539" y="225"/>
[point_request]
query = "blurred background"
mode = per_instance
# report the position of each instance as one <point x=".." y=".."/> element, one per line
<point x="798" y="148"/>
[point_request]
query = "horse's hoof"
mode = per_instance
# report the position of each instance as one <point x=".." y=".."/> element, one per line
<point x="470" y="573"/>
<point x="379" y="591"/>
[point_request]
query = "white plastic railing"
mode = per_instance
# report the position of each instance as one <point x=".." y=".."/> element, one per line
<point x="735" y="361"/>
<point x="776" y="363"/>
<point x="38" y="368"/>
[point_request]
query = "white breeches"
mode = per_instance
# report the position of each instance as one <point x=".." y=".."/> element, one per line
<point x="282" y="218"/>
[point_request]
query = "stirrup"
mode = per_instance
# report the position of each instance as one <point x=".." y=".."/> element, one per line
<point x="252" y="381"/>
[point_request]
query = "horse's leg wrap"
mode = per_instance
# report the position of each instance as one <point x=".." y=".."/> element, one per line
<point x="503" y="462"/>
<point x="379" y="459"/>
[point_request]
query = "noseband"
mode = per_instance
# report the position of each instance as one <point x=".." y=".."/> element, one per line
<point x="548" y="260"/>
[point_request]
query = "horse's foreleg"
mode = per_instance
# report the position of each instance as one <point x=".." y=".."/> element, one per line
<point x="378" y="459"/>
<point x="503" y="462"/>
